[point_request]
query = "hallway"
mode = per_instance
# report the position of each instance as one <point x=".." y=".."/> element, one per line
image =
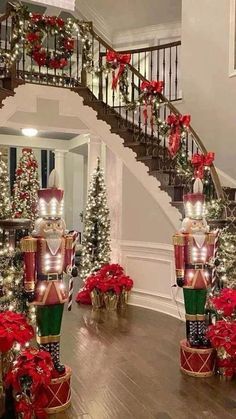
<point x="126" y="366"/>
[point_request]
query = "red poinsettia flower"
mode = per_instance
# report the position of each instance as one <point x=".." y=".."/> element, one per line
<point x="13" y="328"/>
<point x="83" y="297"/>
<point x="35" y="408"/>
<point x="33" y="363"/>
<point x="223" y="335"/>
<point x="225" y="302"/>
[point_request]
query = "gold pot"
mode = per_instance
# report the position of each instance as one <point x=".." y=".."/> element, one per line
<point x="223" y="376"/>
<point x="97" y="299"/>
<point x="123" y="299"/>
<point x="111" y="301"/>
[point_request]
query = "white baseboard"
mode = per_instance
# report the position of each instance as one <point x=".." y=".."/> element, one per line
<point x="151" y="266"/>
<point x="157" y="303"/>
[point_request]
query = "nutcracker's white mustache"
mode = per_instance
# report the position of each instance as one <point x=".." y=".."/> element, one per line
<point x="52" y="234"/>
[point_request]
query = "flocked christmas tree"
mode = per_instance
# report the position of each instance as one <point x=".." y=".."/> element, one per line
<point x="5" y="205"/>
<point x="26" y="186"/>
<point x="96" y="237"/>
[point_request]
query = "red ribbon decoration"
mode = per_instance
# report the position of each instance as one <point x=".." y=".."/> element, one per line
<point x="199" y="161"/>
<point x="118" y="61"/>
<point x="150" y="89"/>
<point x="177" y="124"/>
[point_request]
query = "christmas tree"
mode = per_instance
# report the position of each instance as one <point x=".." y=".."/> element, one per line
<point x="96" y="243"/>
<point x="5" y="205"/>
<point x="26" y="186"/>
<point x="226" y="259"/>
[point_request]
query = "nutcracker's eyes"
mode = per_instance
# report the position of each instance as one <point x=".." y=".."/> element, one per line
<point x="59" y="225"/>
<point x="48" y="225"/>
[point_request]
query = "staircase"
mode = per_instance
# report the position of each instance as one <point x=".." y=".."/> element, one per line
<point x="148" y="143"/>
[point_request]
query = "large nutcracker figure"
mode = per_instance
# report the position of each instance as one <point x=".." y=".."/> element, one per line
<point x="195" y="248"/>
<point x="47" y="255"/>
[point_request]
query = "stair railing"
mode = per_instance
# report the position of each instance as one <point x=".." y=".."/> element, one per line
<point x="77" y="74"/>
<point x="160" y="62"/>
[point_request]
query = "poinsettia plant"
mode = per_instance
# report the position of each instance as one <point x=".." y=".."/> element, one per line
<point x="225" y="303"/>
<point x="110" y="278"/>
<point x="14" y="329"/>
<point x="30" y="374"/>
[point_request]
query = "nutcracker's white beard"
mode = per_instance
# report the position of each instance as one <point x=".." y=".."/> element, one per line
<point x="54" y="244"/>
<point x="199" y="238"/>
<point x="53" y="239"/>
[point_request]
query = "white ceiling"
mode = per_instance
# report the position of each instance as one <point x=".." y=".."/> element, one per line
<point x="131" y="14"/>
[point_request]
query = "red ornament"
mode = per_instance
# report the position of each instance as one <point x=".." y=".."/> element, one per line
<point x="36" y="17"/>
<point x="32" y="37"/>
<point x="60" y="22"/>
<point x="40" y="57"/>
<point x="69" y="44"/>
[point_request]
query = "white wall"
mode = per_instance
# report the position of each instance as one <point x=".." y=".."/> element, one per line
<point x="74" y="190"/>
<point x="208" y="91"/>
<point x="146" y="249"/>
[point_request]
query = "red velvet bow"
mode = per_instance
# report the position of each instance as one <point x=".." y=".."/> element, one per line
<point x="118" y="61"/>
<point x="177" y="124"/>
<point x="199" y="161"/>
<point x="152" y="87"/>
<point x="178" y="120"/>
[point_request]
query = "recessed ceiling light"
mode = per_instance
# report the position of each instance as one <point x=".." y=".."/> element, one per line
<point x="29" y="132"/>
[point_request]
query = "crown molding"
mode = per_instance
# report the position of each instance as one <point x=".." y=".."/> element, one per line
<point x="91" y="14"/>
<point x="148" y="33"/>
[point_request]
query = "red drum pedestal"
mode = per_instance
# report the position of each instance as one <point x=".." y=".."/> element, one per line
<point x="196" y="362"/>
<point x="59" y="393"/>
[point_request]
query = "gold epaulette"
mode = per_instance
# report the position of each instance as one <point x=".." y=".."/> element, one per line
<point x="179" y="240"/>
<point x="212" y="238"/>
<point x="69" y="242"/>
<point x="28" y="245"/>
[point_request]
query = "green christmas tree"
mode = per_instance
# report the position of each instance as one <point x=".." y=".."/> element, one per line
<point x="5" y="205"/>
<point x="226" y="259"/>
<point x="96" y="242"/>
<point x="26" y="185"/>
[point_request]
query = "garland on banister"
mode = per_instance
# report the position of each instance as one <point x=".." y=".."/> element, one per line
<point x="29" y="31"/>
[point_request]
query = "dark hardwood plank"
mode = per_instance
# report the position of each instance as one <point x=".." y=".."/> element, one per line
<point x="126" y="366"/>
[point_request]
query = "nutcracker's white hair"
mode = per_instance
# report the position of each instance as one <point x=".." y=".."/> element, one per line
<point x="37" y="225"/>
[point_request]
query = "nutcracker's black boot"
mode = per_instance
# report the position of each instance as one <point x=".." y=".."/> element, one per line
<point x="55" y="353"/>
<point x="201" y="328"/>
<point x="193" y="335"/>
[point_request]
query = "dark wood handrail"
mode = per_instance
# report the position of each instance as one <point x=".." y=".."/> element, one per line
<point x="149" y="49"/>
<point x="199" y="143"/>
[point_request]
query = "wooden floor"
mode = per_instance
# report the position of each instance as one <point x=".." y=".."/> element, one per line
<point x="126" y="366"/>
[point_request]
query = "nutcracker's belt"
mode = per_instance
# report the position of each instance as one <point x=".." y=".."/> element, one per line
<point x="50" y="277"/>
<point x="197" y="266"/>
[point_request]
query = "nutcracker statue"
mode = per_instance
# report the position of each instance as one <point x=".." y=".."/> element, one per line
<point x="47" y="255"/>
<point x="195" y="248"/>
